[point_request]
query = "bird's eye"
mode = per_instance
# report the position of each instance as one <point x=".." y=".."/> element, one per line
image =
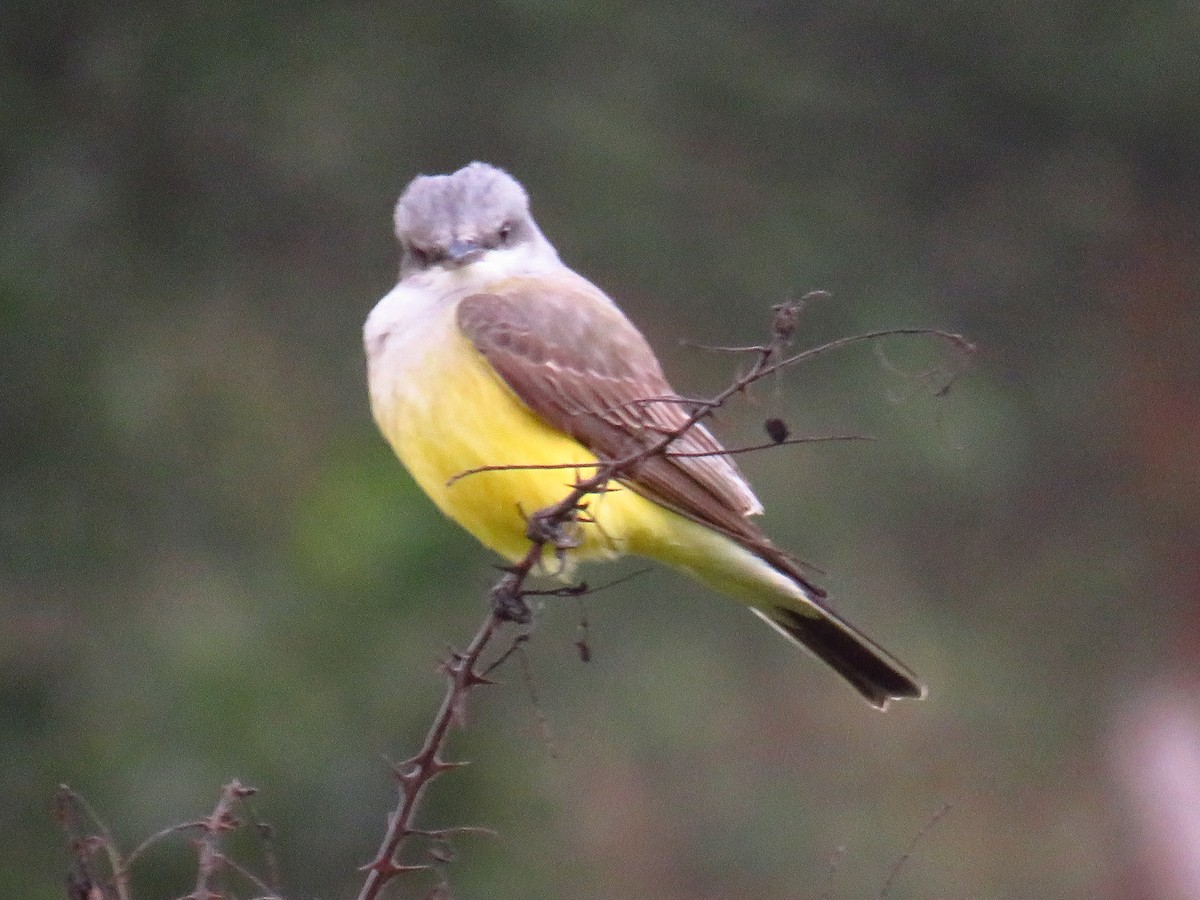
<point x="505" y="232"/>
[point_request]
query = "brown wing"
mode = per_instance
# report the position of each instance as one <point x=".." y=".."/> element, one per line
<point x="583" y="367"/>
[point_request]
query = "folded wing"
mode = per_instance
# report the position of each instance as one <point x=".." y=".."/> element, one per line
<point x="577" y="362"/>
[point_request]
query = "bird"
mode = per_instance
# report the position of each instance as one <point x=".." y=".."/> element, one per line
<point x="491" y="352"/>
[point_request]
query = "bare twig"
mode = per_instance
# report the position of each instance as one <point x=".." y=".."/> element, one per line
<point x="957" y="341"/>
<point x="664" y="400"/>
<point x="261" y="884"/>
<point x="520" y="467"/>
<point x="84" y="881"/>
<point x="414" y="774"/>
<point x="155" y="838"/>
<point x="898" y="865"/>
<point x="754" y="448"/>
<point x="267" y="835"/>
<point x="219" y="823"/>
<point x="677" y="454"/>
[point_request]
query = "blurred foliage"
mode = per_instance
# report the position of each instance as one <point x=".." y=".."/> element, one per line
<point x="210" y="565"/>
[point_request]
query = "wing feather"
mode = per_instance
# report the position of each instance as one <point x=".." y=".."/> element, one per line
<point x="576" y="361"/>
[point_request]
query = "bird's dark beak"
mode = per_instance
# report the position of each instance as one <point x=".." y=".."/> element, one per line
<point x="463" y="250"/>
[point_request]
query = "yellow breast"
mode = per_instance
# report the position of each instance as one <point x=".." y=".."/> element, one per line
<point x="445" y="411"/>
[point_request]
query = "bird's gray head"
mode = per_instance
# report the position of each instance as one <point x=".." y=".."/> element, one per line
<point x="454" y="220"/>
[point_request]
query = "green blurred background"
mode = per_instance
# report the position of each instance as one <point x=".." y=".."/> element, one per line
<point x="211" y="565"/>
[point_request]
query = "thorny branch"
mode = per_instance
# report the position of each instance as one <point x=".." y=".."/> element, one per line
<point x="414" y="774"/>
<point x="550" y="530"/>
<point x="219" y="823"/>
<point x="89" y="837"/>
<point x="94" y="850"/>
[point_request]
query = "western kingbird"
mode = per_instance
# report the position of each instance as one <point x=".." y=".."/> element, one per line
<point x="490" y="351"/>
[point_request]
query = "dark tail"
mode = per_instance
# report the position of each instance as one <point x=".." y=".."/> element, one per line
<point x="809" y="621"/>
<point x="874" y="672"/>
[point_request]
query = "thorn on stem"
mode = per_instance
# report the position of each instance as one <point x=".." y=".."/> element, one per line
<point x="478" y="679"/>
<point x="407" y="774"/>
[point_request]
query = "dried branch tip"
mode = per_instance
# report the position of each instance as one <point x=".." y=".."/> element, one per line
<point x="787" y="315"/>
<point x="777" y="430"/>
<point x="783" y="323"/>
